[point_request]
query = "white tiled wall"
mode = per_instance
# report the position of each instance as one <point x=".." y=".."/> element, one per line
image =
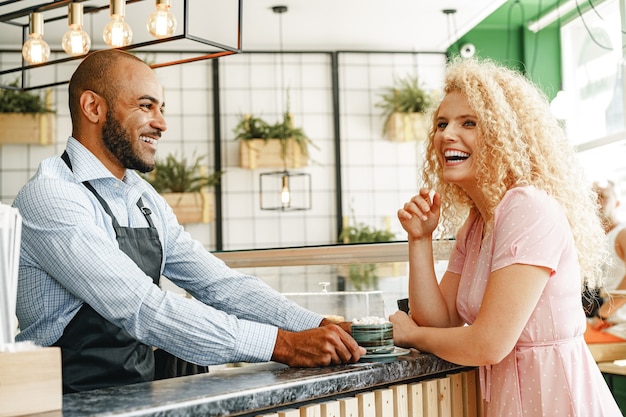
<point x="377" y="176"/>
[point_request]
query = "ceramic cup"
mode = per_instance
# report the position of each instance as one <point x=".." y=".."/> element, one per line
<point x="375" y="338"/>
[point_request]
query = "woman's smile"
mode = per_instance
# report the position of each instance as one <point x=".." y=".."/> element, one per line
<point x="455" y="157"/>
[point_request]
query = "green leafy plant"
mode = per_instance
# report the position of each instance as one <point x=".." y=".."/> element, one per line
<point x="406" y="96"/>
<point x="174" y="175"/>
<point x="252" y="127"/>
<point x="364" y="276"/>
<point x="362" y="233"/>
<point x="16" y="101"/>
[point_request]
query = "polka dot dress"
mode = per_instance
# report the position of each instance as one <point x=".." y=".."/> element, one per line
<point x="550" y="372"/>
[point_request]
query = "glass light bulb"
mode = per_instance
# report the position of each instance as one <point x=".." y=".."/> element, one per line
<point x="161" y="22"/>
<point x="76" y="41"/>
<point x="117" y="32"/>
<point x="285" y="197"/>
<point x="35" y="49"/>
<point x="285" y="194"/>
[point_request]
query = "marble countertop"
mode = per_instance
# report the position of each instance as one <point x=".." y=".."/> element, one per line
<point x="249" y="389"/>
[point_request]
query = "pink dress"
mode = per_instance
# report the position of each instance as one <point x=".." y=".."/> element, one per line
<point x="550" y="372"/>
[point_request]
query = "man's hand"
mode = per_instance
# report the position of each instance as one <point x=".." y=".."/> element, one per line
<point x="325" y="345"/>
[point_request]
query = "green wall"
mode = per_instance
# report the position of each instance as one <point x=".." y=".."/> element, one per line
<point x="538" y="55"/>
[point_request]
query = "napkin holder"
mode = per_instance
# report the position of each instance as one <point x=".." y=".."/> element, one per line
<point x="30" y="381"/>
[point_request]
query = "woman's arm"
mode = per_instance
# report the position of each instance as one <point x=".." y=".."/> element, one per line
<point x="510" y="298"/>
<point x="429" y="303"/>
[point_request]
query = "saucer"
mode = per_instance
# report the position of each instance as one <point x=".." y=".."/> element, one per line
<point x="380" y="357"/>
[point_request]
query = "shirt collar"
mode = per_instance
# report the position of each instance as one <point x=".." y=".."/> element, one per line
<point x="85" y="165"/>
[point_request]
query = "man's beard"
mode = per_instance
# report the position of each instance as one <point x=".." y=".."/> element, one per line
<point x="119" y="143"/>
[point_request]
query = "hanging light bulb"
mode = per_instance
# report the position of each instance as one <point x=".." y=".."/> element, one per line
<point x="161" y="22"/>
<point x="76" y="41"/>
<point x="285" y="194"/>
<point x="117" y="32"/>
<point x="35" y="49"/>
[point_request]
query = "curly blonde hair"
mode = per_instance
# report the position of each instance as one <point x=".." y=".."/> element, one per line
<point x="520" y="143"/>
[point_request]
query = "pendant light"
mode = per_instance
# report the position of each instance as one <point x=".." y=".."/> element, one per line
<point x="35" y="49"/>
<point x="161" y="22"/>
<point x="284" y="190"/>
<point x="285" y="193"/>
<point x="117" y="32"/>
<point x="451" y="26"/>
<point x="219" y="42"/>
<point x="76" y="41"/>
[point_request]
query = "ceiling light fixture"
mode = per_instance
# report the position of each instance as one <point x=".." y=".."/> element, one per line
<point x="198" y="37"/>
<point x="117" y="32"/>
<point x="451" y="25"/>
<point x="76" y="41"/>
<point x="35" y="49"/>
<point x="161" y="22"/>
<point x="284" y="190"/>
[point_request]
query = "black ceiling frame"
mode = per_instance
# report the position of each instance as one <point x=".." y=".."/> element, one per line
<point x="10" y="18"/>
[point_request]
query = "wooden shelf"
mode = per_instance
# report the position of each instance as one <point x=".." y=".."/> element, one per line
<point x="27" y="128"/>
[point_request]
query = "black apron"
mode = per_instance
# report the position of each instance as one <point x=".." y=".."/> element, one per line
<point x="98" y="354"/>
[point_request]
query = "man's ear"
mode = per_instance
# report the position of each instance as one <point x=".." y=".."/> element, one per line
<point x="93" y="106"/>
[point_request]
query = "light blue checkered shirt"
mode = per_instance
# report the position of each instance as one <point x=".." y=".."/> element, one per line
<point x="69" y="255"/>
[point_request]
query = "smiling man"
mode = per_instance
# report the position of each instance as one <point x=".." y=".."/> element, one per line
<point x="97" y="238"/>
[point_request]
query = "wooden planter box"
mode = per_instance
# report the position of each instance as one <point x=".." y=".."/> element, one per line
<point x="261" y="153"/>
<point x="30" y="382"/>
<point x="192" y="207"/>
<point x="27" y="128"/>
<point x="407" y="127"/>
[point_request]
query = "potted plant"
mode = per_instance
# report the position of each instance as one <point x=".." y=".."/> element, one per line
<point x="364" y="276"/>
<point x="184" y="186"/>
<point x="265" y="145"/>
<point x="404" y="106"/>
<point x="26" y="118"/>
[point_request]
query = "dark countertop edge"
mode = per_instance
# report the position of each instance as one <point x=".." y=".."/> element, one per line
<point x="251" y="389"/>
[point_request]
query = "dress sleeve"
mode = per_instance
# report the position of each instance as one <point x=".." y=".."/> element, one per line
<point x="530" y="227"/>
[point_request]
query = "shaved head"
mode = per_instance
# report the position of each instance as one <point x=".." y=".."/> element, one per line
<point x="99" y="73"/>
<point x="116" y="105"/>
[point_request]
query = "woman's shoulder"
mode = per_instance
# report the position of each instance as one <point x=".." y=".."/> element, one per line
<point x="529" y="201"/>
<point x="528" y="195"/>
<point x="526" y="192"/>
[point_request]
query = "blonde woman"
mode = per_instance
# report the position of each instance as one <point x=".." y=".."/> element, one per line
<point x="510" y="301"/>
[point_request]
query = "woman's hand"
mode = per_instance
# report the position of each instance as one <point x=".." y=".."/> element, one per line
<point x="420" y="216"/>
<point x="404" y="329"/>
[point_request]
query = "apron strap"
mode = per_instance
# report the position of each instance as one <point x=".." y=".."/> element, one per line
<point x="145" y="210"/>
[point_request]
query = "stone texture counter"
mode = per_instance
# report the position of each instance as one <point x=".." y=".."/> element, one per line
<point x="251" y="389"/>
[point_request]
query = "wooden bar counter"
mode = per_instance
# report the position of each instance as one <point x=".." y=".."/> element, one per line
<point x="422" y="382"/>
<point x="411" y="385"/>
